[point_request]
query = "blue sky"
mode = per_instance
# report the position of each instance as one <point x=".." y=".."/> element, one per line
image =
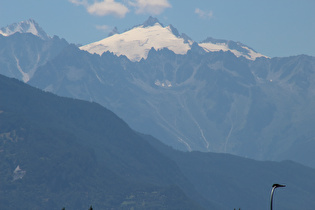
<point x="275" y="28"/>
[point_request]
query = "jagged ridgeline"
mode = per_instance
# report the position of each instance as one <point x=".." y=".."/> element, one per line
<point x="214" y="96"/>
<point x="217" y="95"/>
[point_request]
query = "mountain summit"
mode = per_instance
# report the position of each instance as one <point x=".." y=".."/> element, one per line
<point x="28" y="26"/>
<point x="136" y="43"/>
<point x="151" y="21"/>
<point x="113" y="32"/>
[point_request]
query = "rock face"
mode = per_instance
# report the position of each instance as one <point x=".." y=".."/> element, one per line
<point x="28" y="26"/>
<point x="21" y="54"/>
<point x="208" y="102"/>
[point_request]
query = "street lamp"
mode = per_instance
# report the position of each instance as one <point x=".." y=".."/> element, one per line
<point x="274" y="186"/>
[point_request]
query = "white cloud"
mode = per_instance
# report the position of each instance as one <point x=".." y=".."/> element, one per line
<point x="104" y="28"/>
<point x="153" y="7"/>
<point x="204" y="14"/>
<point x="108" y="7"/>
<point x="79" y="2"/>
<point x="103" y="8"/>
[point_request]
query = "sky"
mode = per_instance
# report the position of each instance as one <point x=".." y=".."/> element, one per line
<point x="275" y="28"/>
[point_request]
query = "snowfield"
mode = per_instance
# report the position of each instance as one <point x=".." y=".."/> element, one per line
<point x="137" y="42"/>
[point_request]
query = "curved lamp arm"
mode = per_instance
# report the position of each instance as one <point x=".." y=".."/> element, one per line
<point x="274" y="186"/>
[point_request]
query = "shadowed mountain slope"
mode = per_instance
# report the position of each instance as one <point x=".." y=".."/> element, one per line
<point x="66" y="152"/>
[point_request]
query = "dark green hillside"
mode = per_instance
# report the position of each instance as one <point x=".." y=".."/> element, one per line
<point x="57" y="152"/>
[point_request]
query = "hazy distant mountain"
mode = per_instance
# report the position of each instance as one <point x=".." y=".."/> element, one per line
<point x="137" y="42"/>
<point x="57" y="152"/>
<point x="28" y="26"/>
<point x="22" y="54"/>
<point x="209" y="102"/>
<point x="24" y="47"/>
<point x="198" y="100"/>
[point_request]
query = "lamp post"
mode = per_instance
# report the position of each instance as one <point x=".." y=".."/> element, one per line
<point x="274" y="186"/>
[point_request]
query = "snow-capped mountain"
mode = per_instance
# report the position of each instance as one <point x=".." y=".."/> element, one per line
<point x="196" y="100"/>
<point x="26" y="46"/>
<point x="237" y="48"/>
<point x="137" y="42"/>
<point x="28" y="26"/>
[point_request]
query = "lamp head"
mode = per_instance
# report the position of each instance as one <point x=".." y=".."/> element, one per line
<point x="277" y="185"/>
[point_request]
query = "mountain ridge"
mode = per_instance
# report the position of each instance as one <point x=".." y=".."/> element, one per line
<point x="61" y="152"/>
<point x="136" y="42"/>
<point x="153" y="32"/>
<point x="151" y="21"/>
<point x="208" y="101"/>
<point x="22" y="53"/>
<point x="42" y="134"/>
<point x="27" y="26"/>
<point x="99" y="47"/>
